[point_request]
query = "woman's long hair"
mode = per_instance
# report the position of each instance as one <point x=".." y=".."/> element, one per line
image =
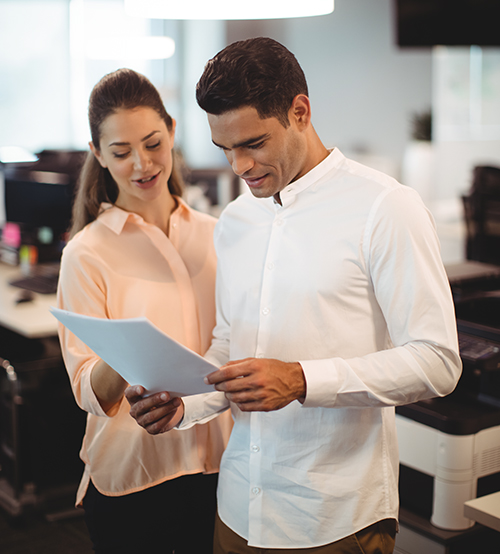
<point x="122" y="89"/>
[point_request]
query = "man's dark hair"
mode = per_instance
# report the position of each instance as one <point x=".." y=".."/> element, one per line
<point x="258" y="72"/>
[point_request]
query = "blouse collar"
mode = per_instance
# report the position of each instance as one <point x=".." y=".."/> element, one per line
<point x="115" y="218"/>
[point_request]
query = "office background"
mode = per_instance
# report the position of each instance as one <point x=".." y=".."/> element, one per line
<point x="366" y="91"/>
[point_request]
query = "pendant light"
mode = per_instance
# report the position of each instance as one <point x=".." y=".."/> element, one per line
<point x="227" y="9"/>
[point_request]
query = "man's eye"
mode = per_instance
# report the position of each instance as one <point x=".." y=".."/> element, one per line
<point x="256" y="146"/>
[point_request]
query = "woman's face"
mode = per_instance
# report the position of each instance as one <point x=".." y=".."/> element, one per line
<point x="136" y="148"/>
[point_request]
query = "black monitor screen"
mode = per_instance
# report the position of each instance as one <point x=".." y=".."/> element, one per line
<point x="39" y="203"/>
<point x="41" y="194"/>
<point x="447" y="22"/>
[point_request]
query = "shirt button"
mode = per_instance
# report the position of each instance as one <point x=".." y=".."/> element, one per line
<point x="256" y="490"/>
<point x="266" y="311"/>
<point x="270" y="266"/>
<point x="279" y="222"/>
<point x="255" y="448"/>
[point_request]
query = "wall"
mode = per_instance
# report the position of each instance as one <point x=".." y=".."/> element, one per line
<point x="364" y="89"/>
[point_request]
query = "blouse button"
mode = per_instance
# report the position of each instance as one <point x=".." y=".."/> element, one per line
<point x="256" y="490"/>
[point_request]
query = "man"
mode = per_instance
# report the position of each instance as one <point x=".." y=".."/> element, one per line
<point x="333" y="307"/>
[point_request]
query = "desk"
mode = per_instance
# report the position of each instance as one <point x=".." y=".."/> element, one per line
<point x="31" y="319"/>
<point x="485" y="510"/>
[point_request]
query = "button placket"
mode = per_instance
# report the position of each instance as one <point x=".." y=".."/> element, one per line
<point x="268" y="277"/>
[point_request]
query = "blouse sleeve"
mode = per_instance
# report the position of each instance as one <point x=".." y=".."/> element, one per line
<point x="81" y="290"/>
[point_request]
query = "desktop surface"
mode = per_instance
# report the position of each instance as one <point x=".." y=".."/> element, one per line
<point x="30" y="318"/>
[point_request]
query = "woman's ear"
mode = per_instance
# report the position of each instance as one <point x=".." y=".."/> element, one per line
<point x="172" y="131"/>
<point x="97" y="154"/>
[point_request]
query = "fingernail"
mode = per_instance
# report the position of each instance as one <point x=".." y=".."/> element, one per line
<point x="206" y="381"/>
<point x="163" y="397"/>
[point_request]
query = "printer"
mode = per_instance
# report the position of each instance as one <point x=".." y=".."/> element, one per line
<point x="450" y="447"/>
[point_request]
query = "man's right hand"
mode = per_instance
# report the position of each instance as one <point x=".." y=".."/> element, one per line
<point x="157" y="413"/>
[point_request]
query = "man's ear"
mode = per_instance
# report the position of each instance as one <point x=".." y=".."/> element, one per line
<point x="300" y="111"/>
<point x="97" y="154"/>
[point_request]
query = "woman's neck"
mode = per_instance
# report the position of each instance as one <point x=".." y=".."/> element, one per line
<point x="156" y="212"/>
<point x="159" y="213"/>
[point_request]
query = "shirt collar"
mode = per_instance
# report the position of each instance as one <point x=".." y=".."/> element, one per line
<point x="334" y="159"/>
<point x="115" y="218"/>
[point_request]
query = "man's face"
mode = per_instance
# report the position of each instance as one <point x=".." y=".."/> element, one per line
<point x="261" y="151"/>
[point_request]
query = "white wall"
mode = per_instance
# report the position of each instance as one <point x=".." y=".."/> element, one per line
<point x="364" y="89"/>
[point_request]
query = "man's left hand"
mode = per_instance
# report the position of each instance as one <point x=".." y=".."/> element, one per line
<point x="260" y="385"/>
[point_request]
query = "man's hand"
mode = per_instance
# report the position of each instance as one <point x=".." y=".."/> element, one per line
<point x="157" y="413"/>
<point x="260" y="385"/>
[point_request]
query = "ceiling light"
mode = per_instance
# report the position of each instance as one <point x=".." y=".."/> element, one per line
<point x="16" y="154"/>
<point x="227" y="9"/>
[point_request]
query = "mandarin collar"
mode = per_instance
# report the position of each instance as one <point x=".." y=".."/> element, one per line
<point x="288" y="194"/>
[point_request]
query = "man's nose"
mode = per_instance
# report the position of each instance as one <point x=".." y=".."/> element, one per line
<point x="241" y="162"/>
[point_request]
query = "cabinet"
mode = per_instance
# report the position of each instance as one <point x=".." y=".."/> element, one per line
<point x="41" y="427"/>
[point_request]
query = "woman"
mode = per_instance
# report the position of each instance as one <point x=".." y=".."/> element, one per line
<point x="137" y="249"/>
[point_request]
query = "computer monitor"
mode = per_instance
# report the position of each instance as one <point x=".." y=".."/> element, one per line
<point x="426" y="23"/>
<point x="41" y="194"/>
<point x="39" y="198"/>
<point x="44" y="202"/>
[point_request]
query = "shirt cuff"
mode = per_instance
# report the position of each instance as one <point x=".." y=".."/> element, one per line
<point x="202" y="408"/>
<point x="322" y="383"/>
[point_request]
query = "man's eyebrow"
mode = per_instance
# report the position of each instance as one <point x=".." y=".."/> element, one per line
<point x="142" y="140"/>
<point x="244" y="143"/>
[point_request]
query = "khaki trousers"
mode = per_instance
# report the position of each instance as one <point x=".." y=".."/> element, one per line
<point x="378" y="538"/>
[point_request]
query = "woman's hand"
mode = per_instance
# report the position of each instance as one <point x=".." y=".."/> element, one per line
<point x="157" y="413"/>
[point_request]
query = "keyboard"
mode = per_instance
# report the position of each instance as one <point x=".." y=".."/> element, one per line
<point x="485" y="354"/>
<point x="44" y="281"/>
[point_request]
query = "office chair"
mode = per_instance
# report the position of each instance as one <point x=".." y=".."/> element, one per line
<point x="482" y="216"/>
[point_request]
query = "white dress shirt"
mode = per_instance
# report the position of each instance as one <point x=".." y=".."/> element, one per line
<point x="345" y="277"/>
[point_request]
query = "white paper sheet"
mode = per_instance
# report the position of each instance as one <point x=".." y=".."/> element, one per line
<point x="141" y="353"/>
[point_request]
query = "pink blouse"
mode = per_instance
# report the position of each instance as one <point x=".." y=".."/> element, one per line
<point x="119" y="266"/>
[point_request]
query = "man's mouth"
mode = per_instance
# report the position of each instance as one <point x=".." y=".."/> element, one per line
<point x="254" y="181"/>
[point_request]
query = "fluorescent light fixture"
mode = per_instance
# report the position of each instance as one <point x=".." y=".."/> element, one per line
<point x="227" y="9"/>
<point x="130" y="48"/>
<point x="16" y="154"/>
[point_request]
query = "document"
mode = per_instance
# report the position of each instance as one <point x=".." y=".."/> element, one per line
<point x="141" y="353"/>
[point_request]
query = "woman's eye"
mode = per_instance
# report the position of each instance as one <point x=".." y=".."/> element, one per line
<point x="120" y="154"/>
<point x="154" y="146"/>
